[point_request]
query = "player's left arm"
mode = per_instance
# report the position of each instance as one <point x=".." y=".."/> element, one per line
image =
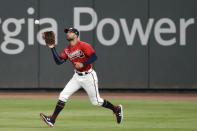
<point x="90" y="60"/>
<point x="90" y="53"/>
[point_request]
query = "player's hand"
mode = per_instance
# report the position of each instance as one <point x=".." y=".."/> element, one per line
<point x="78" y="65"/>
<point x="51" y="46"/>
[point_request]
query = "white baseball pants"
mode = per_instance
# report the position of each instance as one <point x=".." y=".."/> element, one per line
<point x="89" y="82"/>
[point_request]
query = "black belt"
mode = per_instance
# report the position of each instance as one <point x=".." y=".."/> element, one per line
<point x="82" y="74"/>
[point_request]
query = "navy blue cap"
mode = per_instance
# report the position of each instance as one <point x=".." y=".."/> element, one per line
<point x="73" y="30"/>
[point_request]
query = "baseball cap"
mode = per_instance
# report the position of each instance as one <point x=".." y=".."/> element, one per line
<point x="73" y="30"/>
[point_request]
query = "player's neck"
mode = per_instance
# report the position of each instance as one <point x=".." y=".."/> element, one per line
<point x="73" y="42"/>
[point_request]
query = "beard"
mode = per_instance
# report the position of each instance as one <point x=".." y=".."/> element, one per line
<point x="69" y="39"/>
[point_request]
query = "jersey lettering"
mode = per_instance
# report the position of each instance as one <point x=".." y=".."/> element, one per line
<point x="75" y="54"/>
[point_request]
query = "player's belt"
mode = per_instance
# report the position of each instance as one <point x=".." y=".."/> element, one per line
<point x="82" y="73"/>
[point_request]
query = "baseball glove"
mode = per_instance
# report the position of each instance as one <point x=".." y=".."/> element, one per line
<point x="49" y="37"/>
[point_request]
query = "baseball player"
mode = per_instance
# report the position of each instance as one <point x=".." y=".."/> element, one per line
<point x="81" y="55"/>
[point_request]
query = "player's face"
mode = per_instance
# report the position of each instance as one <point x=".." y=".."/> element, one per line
<point x="70" y="35"/>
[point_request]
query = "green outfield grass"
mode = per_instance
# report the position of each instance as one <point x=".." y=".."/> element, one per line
<point x="22" y="114"/>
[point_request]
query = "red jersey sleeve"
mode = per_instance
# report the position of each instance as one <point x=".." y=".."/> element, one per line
<point x="87" y="49"/>
<point x="64" y="55"/>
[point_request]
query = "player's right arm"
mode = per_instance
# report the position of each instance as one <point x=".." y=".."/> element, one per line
<point x="58" y="59"/>
<point x="49" y="38"/>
